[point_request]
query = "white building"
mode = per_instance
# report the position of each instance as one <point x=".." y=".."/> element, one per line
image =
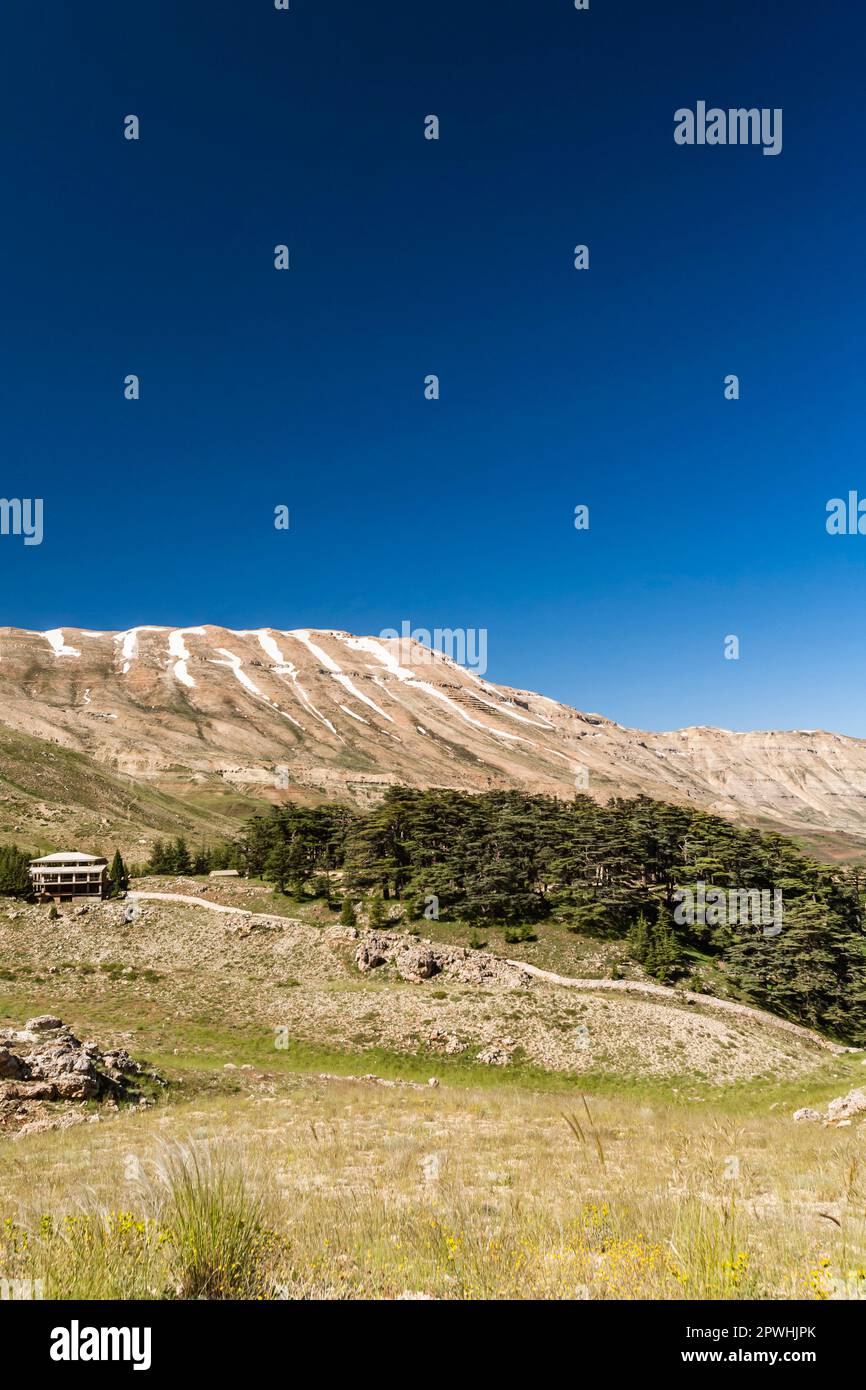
<point x="69" y="875"/>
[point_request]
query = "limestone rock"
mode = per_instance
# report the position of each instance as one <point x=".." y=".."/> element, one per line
<point x="12" y="1068"/>
<point x="418" y="963"/>
<point x="368" y="956"/>
<point x="449" y="1043"/>
<point x="496" y="1054"/>
<point x="46" y="1062"/>
<point x="846" y="1107"/>
<point x="338" y="935"/>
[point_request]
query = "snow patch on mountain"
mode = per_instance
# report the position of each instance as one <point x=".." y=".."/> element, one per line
<point x="177" y="649"/>
<point x="58" y="643"/>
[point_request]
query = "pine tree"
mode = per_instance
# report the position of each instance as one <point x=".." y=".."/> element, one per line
<point x="118" y="877"/>
<point x="201" y="862"/>
<point x="348" y="916"/>
<point x="376" y="913"/>
<point x="279" y="865"/>
<point x="180" y="857"/>
<point x="14" y="875"/>
<point x="514" y="859"/>
<point x="666" y="954"/>
<point x="638" y="940"/>
<point x="160" y="861"/>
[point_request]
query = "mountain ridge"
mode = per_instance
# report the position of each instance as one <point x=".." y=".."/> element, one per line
<point x="223" y="718"/>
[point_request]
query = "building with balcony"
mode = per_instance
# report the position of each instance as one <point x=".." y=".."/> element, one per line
<point x="66" y="876"/>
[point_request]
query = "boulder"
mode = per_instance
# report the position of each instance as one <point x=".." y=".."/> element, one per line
<point x="12" y="1068"/>
<point x="449" y="1043"/>
<point x="373" y="952"/>
<point x="846" y="1107"/>
<point x="840" y="1112"/>
<point x="496" y="1054"/>
<point x="50" y="1064"/>
<point x="338" y="935"/>
<point x="418" y="963"/>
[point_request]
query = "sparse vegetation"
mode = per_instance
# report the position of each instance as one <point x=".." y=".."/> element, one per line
<point x="506" y="1202"/>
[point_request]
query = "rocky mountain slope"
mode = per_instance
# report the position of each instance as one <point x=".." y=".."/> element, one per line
<point x="176" y="966"/>
<point x="188" y="728"/>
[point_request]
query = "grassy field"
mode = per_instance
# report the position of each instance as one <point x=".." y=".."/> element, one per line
<point x="271" y="1171"/>
<point x="283" y="1184"/>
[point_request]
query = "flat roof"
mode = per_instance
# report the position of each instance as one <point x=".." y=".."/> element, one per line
<point x="70" y="857"/>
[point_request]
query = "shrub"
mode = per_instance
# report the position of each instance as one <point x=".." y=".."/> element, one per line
<point x="220" y="1246"/>
<point x="521" y="933"/>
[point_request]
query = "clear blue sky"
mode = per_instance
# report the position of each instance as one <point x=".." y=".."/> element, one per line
<point x="409" y="257"/>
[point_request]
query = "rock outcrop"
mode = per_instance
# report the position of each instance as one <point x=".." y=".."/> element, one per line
<point x="418" y="960"/>
<point x="839" y="1112"/>
<point x="45" y="1062"/>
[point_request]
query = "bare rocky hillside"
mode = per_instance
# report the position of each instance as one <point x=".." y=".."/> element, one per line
<point x="187" y="729"/>
<point x="193" y="976"/>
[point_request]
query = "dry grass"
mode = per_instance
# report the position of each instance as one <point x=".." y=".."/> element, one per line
<point x="176" y="966"/>
<point x="340" y="1189"/>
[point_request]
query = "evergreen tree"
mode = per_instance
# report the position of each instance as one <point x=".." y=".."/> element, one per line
<point x="376" y="913"/>
<point x="117" y="875"/>
<point x="14" y="875"/>
<point x="665" y="955"/>
<point x="160" y="860"/>
<point x="512" y="859"/>
<point x="201" y="862"/>
<point x="348" y="916"/>
<point x="222" y="857"/>
<point x="638" y="940"/>
<point x="180" y="857"/>
<point x="279" y="866"/>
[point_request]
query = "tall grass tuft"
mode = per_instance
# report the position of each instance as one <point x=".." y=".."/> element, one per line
<point x="220" y="1246"/>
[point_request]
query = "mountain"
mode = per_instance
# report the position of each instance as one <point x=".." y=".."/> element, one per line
<point x="157" y="729"/>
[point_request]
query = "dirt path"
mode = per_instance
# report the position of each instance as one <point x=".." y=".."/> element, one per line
<point x="676" y="996"/>
<point x="682" y="996"/>
<point x="190" y="901"/>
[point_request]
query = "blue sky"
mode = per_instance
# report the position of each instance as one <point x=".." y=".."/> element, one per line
<point x="409" y="257"/>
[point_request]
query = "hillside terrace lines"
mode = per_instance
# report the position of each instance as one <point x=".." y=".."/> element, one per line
<point x="282" y="667"/>
<point x="510" y="713"/>
<point x="352" y="715"/>
<point x="803" y="782"/>
<point x="408" y="677"/>
<point x="180" y="656"/>
<point x="235" y="664"/>
<point x="289" y="674"/>
<point x="302" y="634"/>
